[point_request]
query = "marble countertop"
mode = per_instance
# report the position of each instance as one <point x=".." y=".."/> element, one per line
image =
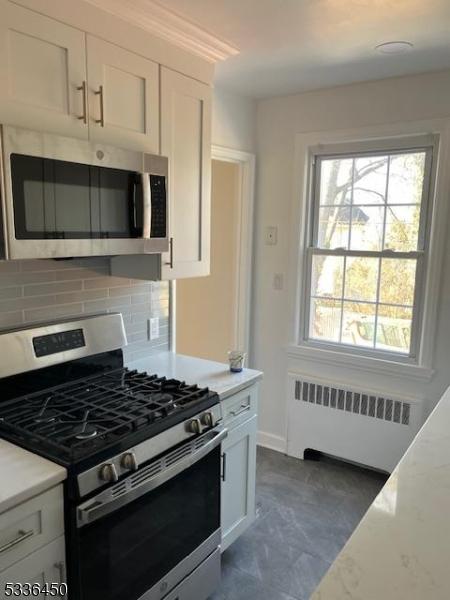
<point x="24" y="475"/>
<point x="205" y="373"/>
<point x="401" y="548"/>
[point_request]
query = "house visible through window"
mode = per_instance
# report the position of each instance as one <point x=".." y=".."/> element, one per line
<point x="368" y="244"/>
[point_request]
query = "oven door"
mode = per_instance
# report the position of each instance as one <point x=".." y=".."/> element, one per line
<point x="143" y="536"/>
<point x="66" y="197"/>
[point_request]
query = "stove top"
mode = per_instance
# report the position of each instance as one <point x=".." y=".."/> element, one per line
<point x="79" y="419"/>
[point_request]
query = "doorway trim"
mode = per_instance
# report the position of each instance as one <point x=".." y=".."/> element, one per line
<point x="244" y="256"/>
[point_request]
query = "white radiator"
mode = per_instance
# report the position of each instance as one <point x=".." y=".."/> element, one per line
<point x="360" y="425"/>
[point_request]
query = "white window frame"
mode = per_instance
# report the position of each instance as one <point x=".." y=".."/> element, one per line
<point x="385" y="137"/>
<point x="427" y="144"/>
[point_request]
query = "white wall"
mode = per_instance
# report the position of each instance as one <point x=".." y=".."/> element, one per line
<point x="233" y="121"/>
<point x="278" y="121"/>
<point x="206" y="306"/>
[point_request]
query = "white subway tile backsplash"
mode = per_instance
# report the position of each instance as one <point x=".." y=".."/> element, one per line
<point x="26" y="302"/>
<point x="138" y="288"/>
<point x="107" y="303"/>
<point x="11" y="292"/>
<point x="141" y="298"/>
<point x="51" y="313"/>
<point x="11" y="319"/>
<point x="106" y="282"/>
<point x="66" y="274"/>
<point x="82" y="296"/>
<point x="19" y="278"/>
<point x="9" y="266"/>
<point x="44" y="290"/>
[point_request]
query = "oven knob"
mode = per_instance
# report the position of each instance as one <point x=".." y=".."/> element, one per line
<point x="208" y="419"/>
<point x="195" y="426"/>
<point x="129" y="461"/>
<point x="109" y="473"/>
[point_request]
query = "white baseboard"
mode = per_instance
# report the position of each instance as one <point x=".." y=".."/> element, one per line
<point x="274" y="442"/>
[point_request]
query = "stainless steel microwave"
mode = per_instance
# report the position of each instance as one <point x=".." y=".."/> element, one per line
<point x="63" y="197"/>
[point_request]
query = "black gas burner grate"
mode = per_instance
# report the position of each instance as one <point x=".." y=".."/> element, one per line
<point x="82" y="417"/>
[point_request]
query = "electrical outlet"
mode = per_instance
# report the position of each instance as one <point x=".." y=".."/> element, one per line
<point x="271" y="235"/>
<point x="153" y="328"/>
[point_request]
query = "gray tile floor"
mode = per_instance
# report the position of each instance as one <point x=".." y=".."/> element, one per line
<point x="306" y="512"/>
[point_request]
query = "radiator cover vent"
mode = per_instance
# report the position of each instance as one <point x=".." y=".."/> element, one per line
<point x="361" y="403"/>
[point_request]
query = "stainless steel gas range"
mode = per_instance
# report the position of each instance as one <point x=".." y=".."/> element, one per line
<point x="142" y="498"/>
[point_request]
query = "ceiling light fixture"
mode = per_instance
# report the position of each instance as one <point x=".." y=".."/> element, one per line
<point x="396" y="47"/>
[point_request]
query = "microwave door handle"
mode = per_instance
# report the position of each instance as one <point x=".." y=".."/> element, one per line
<point x="133" y="205"/>
<point x="105" y="503"/>
<point x="147" y="206"/>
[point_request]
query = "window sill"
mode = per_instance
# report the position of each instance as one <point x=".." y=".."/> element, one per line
<point x="362" y="363"/>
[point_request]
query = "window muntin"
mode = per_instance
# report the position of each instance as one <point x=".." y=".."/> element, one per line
<point x="367" y="247"/>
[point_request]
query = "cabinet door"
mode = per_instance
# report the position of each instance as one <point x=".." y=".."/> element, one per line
<point x="30" y="525"/>
<point x="186" y="140"/>
<point x="123" y="97"/>
<point x="46" y="565"/>
<point x="42" y="65"/>
<point x="238" y="486"/>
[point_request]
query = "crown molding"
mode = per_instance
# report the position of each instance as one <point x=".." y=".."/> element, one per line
<point x="169" y="25"/>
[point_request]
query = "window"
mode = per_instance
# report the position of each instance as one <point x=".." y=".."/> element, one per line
<point x="367" y="236"/>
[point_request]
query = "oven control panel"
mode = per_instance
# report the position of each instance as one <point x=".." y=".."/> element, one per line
<point x="133" y="459"/>
<point x="44" y="345"/>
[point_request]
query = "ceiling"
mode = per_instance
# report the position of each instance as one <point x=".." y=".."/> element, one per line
<point x="289" y="46"/>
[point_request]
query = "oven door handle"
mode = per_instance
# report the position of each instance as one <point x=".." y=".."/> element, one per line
<point x="108" y="501"/>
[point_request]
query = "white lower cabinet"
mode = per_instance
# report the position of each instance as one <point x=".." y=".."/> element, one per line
<point x="32" y="545"/>
<point x="239" y="474"/>
<point x="45" y="566"/>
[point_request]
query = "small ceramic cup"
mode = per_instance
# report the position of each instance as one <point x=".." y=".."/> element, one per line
<point x="236" y="359"/>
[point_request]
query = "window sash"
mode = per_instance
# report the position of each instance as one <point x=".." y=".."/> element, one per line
<point x="416" y="306"/>
<point x="423" y="220"/>
<point x="419" y="255"/>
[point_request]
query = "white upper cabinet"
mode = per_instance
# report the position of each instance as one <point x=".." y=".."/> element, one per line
<point x="42" y="70"/>
<point x="123" y="90"/>
<point x="57" y="78"/>
<point x="186" y="140"/>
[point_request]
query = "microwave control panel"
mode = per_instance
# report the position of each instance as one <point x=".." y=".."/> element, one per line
<point x="44" y="345"/>
<point x="159" y="206"/>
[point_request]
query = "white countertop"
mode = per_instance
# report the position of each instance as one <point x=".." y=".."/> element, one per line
<point x="24" y="474"/>
<point x="401" y="548"/>
<point x="205" y="373"/>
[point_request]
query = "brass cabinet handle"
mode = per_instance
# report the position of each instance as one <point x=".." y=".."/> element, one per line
<point x="23" y="535"/>
<point x="170" y="263"/>
<point x="83" y="89"/>
<point x="99" y="93"/>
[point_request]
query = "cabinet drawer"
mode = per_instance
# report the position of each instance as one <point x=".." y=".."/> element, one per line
<point x="240" y="407"/>
<point x="30" y="525"/>
<point x="46" y="565"/>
